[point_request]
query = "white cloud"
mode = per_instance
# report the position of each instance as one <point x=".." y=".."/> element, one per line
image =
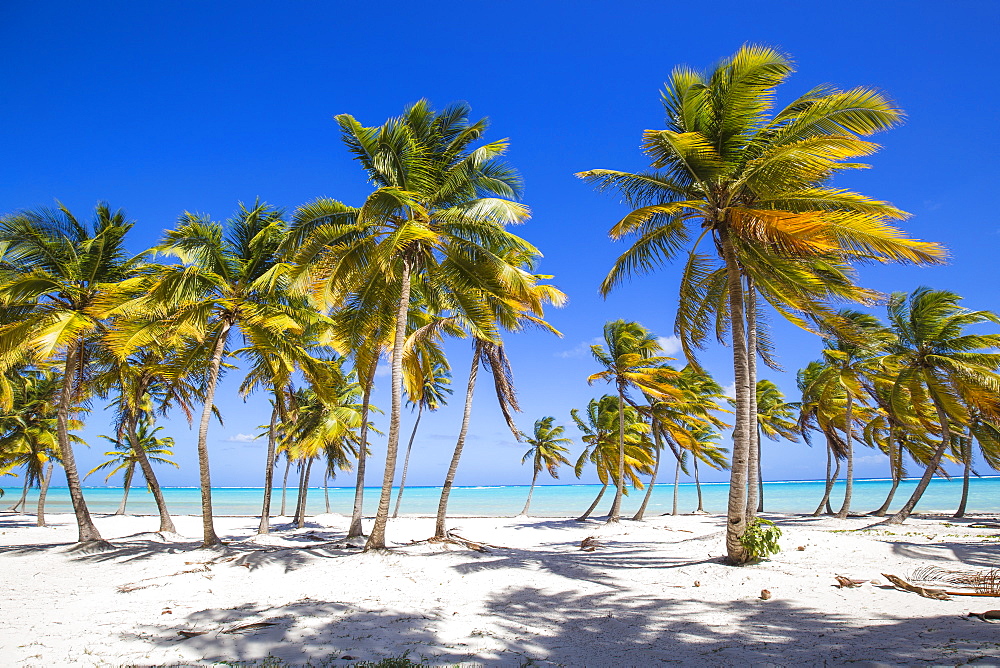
<point x="581" y="350"/>
<point x="670" y="344"/>
<point x="242" y="438"/>
<point x="730" y="390"/>
<point x="383" y="370"/>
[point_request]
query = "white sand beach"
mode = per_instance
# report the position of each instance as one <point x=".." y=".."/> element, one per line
<point x="652" y="592"/>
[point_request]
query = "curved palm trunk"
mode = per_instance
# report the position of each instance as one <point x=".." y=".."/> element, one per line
<point x="284" y="485"/>
<point x="40" y="521"/>
<point x="439" y="529"/>
<point x="652" y="480"/>
<point x="593" y="505"/>
<point x="300" y="510"/>
<point x="326" y="490"/>
<point x="531" y="490"/>
<point x="87" y="530"/>
<point x="209" y="537"/>
<point x="753" y="459"/>
<point x="895" y="472"/>
<point x="925" y="480"/>
<point x="22" y="502"/>
<point x="848" y="432"/>
<point x="836" y="476"/>
<point x="166" y="523"/>
<point x="356" y="530"/>
<point x="616" y="507"/>
<point x="967" y="460"/>
<point x="677" y="481"/>
<point x="825" y="501"/>
<point x="376" y="541"/>
<point x="736" y="510"/>
<point x="129" y="472"/>
<point x="406" y="461"/>
<point x="265" y="510"/>
<point x="697" y="485"/>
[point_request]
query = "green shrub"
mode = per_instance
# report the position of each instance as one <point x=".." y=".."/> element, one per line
<point x="761" y="539"/>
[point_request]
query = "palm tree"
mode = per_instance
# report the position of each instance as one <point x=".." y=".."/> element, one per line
<point x="546" y="452"/>
<point x="757" y="187"/>
<point x="987" y="434"/>
<point x="124" y="454"/>
<point x="64" y="277"/>
<point x="775" y="419"/>
<point x="630" y="360"/>
<point x="939" y="362"/>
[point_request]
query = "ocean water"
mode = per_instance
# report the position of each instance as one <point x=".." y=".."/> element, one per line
<point x="548" y="501"/>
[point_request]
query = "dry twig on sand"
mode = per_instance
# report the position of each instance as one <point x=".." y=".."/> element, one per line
<point x="850" y="583"/>
<point x="590" y="543"/>
<point x="900" y="583"/>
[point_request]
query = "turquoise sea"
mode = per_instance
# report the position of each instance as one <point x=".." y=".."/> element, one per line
<point x="549" y="500"/>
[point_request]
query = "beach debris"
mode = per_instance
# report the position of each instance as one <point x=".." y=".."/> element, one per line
<point x="590" y="543"/>
<point x="801" y="548"/>
<point x="876" y="582"/>
<point x="984" y="525"/>
<point x="452" y="538"/>
<point x="765" y="594"/>
<point x="167" y="611"/>
<point x="850" y="583"/>
<point x="983" y="583"/>
<point x="991" y="616"/>
<point x="697" y="583"/>
<point x="191" y="634"/>
<point x="926" y="592"/>
<point x="348" y="657"/>
<point x="247" y="628"/>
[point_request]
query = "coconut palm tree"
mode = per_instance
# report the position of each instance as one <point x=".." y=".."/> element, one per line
<point x="123" y="455"/>
<point x="938" y="361"/>
<point x="775" y="420"/>
<point x="546" y="452"/>
<point x="985" y="432"/>
<point x="630" y="360"/>
<point x="757" y="187"/>
<point x="64" y="277"/>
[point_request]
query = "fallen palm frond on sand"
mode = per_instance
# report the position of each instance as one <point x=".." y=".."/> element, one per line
<point x="590" y="543"/>
<point x="983" y="583"/>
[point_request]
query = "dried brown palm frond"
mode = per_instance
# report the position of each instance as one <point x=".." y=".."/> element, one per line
<point x="983" y="582"/>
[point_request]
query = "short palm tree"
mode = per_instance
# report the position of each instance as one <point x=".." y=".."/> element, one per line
<point x="123" y="455"/>
<point x="547" y="452"/>
<point x="776" y="419"/>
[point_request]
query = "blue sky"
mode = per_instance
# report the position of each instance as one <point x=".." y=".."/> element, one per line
<point x="166" y="107"/>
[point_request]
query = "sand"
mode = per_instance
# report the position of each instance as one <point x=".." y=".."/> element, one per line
<point x="653" y="592"/>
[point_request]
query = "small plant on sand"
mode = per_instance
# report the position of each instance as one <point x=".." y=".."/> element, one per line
<point x="761" y="539"/>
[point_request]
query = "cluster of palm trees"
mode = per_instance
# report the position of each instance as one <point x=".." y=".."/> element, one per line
<point x="315" y="300"/>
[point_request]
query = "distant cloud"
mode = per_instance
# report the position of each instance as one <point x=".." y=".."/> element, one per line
<point x="670" y="344"/>
<point x="581" y="350"/>
<point x="383" y="370"/>
<point x="730" y="390"/>
<point x="242" y="438"/>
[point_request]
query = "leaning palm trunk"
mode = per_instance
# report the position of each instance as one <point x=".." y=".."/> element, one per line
<point x="87" y="530"/>
<point x="849" y="481"/>
<point x="836" y="476"/>
<point x="284" y="484"/>
<point x="895" y="472"/>
<point x="326" y="490"/>
<point x="531" y="490"/>
<point x="357" y="530"/>
<point x="40" y="521"/>
<point x="594" y="504"/>
<point x="439" y="528"/>
<point x="753" y="460"/>
<point x="22" y="502"/>
<point x="166" y="523"/>
<point x="677" y="481"/>
<point x="376" y="541"/>
<point x="697" y="485"/>
<point x="967" y="461"/>
<point x="129" y="472"/>
<point x="652" y="480"/>
<point x="737" y="507"/>
<point x="616" y="507"/>
<point x="406" y="461"/>
<point x="300" y="509"/>
<point x="932" y="466"/>
<point x="825" y="501"/>
<point x="265" y="510"/>
<point x="209" y="537"/>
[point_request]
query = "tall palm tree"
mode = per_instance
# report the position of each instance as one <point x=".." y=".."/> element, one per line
<point x="985" y="432"/>
<point x="123" y="455"/>
<point x="938" y="361"/>
<point x="630" y="360"/>
<point x="64" y="276"/>
<point x="775" y="420"/>
<point x="757" y="186"/>
<point x="546" y="452"/>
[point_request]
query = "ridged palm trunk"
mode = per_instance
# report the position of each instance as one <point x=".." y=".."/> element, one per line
<point x="616" y="507"/>
<point x="22" y="502"/>
<point x="753" y="458"/>
<point x="825" y="501"/>
<point x="895" y="472"/>
<point x="127" y="485"/>
<point x="300" y="506"/>
<point x="697" y="485"/>
<point x="590" y="510"/>
<point x="209" y="537"/>
<point x="925" y="479"/>
<point x="736" y="510"/>
<point x="760" y="480"/>
<point x="652" y="479"/>
<point x="42" y="493"/>
<point x="849" y="482"/>
<point x="406" y="461"/>
<point x="967" y="461"/>
<point x="677" y="482"/>
<point x="88" y="532"/>
<point x="284" y="485"/>
<point x="356" y="529"/>
<point x="166" y="523"/>
<point x="265" y="510"/>
<point x="442" y="512"/>
<point x="376" y="541"/>
<point x="531" y="490"/>
<point x="326" y="490"/>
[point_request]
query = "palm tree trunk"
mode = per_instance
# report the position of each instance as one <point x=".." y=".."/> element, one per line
<point x="925" y="480"/>
<point x="265" y="510"/>
<point x="40" y="521"/>
<point x="284" y="484"/>
<point x="356" y="530"/>
<point x="894" y="473"/>
<point x="652" y="480"/>
<point x="531" y="490"/>
<point x="209" y="537"/>
<point x="87" y="530"/>
<point x="129" y="472"/>
<point x="967" y="460"/>
<point x="24" y="495"/>
<point x="300" y="511"/>
<point x="406" y="460"/>
<point x="593" y="505"/>
<point x="376" y="541"/>
<point x="836" y="476"/>
<point x="697" y="485"/>
<point x="736" y="510"/>
<point x="825" y="501"/>
<point x="753" y="460"/>
<point x="677" y="481"/>
<point x="166" y="523"/>
<point x="848" y="433"/>
<point x="760" y="480"/>
<point x="326" y="490"/>
<point x="616" y="507"/>
<point x="439" y="528"/>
